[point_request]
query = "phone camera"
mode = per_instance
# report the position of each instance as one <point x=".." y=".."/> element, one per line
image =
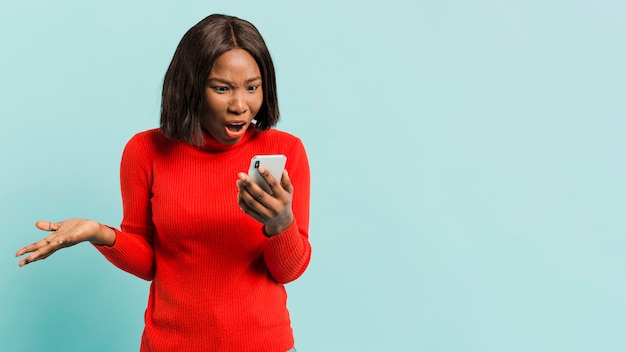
<point x="256" y="164"/>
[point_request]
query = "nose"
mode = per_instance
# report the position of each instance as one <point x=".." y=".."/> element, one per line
<point x="237" y="104"/>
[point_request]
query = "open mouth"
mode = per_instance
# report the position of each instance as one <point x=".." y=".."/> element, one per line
<point x="236" y="129"/>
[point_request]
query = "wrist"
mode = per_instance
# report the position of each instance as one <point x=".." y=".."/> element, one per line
<point x="105" y="236"/>
<point x="273" y="230"/>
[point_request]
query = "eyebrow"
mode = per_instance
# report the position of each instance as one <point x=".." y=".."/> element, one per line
<point x="227" y="82"/>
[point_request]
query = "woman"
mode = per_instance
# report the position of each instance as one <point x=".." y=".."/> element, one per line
<point x="217" y="247"/>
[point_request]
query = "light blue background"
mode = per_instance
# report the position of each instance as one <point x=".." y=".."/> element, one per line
<point x="468" y="168"/>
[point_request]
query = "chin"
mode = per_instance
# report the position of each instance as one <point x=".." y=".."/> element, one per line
<point x="230" y="141"/>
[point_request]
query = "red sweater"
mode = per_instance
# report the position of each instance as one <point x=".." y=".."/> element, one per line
<point x="217" y="281"/>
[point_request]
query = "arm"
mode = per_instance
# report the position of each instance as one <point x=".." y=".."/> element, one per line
<point x="285" y="215"/>
<point x="133" y="249"/>
<point x="130" y="250"/>
<point x="65" y="234"/>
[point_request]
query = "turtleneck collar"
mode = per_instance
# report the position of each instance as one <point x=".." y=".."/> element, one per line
<point x="212" y="145"/>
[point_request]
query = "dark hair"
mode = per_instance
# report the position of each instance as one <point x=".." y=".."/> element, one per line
<point x="183" y="104"/>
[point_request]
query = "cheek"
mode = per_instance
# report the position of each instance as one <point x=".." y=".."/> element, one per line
<point x="214" y="103"/>
<point x="256" y="103"/>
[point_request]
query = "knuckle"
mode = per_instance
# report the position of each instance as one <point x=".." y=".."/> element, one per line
<point x="64" y="241"/>
<point x="45" y="255"/>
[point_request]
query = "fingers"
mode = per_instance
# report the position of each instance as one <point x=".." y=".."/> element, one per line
<point x="42" y="225"/>
<point x="271" y="181"/>
<point x="254" y="201"/>
<point x="275" y="186"/>
<point x="60" y="237"/>
<point x="32" y="247"/>
<point x="253" y="197"/>
<point x="280" y="188"/>
<point x="285" y="181"/>
<point x="249" y="207"/>
<point x="273" y="211"/>
<point x="41" y="249"/>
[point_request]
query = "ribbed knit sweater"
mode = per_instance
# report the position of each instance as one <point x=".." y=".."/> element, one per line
<point x="217" y="280"/>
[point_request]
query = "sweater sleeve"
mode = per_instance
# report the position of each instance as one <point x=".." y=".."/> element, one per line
<point x="133" y="249"/>
<point x="287" y="254"/>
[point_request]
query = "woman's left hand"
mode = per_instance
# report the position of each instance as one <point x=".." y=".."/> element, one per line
<point x="272" y="210"/>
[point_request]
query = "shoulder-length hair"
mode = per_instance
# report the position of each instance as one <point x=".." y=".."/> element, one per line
<point x="183" y="104"/>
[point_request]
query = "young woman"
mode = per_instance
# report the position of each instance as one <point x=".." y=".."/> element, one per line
<point x="217" y="247"/>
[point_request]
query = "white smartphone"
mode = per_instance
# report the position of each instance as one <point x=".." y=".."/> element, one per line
<point x="274" y="163"/>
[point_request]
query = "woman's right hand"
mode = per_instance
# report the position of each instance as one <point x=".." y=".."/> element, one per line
<point x="65" y="234"/>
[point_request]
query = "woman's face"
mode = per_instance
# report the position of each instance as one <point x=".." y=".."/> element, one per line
<point x="233" y="94"/>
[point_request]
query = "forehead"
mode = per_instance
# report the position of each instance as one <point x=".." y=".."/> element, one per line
<point x="235" y="63"/>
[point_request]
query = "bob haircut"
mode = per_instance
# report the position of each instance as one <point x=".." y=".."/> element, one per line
<point x="183" y="104"/>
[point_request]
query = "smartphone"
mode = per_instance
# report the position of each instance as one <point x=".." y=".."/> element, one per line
<point x="274" y="163"/>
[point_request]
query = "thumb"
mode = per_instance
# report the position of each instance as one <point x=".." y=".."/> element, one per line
<point x="285" y="181"/>
<point x="47" y="225"/>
